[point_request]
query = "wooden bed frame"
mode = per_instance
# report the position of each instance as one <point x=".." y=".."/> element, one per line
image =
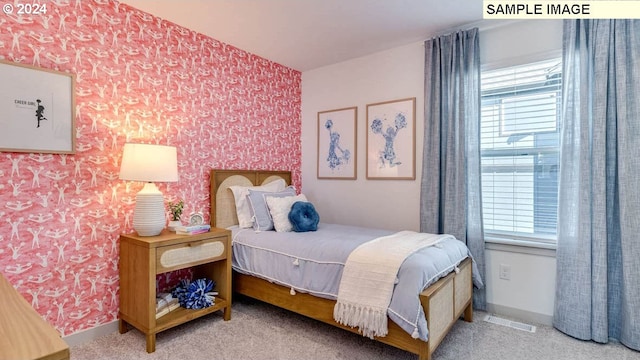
<point x="443" y="302"/>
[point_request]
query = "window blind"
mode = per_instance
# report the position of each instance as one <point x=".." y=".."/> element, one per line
<point x="520" y="118"/>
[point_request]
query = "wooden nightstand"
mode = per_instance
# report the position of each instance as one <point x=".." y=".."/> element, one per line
<point x="143" y="257"/>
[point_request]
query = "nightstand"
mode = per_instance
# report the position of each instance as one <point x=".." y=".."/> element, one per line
<point x="143" y="257"/>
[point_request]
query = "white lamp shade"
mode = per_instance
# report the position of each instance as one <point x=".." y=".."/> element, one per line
<point x="146" y="162"/>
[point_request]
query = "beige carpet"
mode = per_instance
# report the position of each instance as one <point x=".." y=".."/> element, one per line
<point x="261" y="331"/>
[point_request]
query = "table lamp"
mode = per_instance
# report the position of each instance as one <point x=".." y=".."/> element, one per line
<point x="149" y="163"/>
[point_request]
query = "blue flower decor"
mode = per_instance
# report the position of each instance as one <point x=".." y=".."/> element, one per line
<point x="195" y="295"/>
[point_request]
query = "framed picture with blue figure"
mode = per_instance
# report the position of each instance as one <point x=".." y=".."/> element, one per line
<point x="337" y="143"/>
<point x="38" y="109"/>
<point x="391" y="140"/>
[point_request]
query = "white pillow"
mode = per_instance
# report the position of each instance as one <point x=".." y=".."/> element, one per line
<point x="242" y="204"/>
<point x="279" y="207"/>
<point x="259" y="209"/>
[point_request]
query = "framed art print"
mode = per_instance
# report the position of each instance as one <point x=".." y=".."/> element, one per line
<point x="337" y="143"/>
<point x="37" y="110"/>
<point x="391" y="140"/>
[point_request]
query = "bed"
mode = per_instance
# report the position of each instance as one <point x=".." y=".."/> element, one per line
<point x="443" y="302"/>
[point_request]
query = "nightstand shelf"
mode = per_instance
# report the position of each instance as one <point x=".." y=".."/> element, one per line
<point x="143" y="257"/>
<point x="181" y="315"/>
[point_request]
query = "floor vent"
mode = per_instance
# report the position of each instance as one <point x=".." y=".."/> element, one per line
<point x="512" y="324"/>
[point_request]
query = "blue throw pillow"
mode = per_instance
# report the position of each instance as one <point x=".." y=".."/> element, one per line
<point x="303" y="216"/>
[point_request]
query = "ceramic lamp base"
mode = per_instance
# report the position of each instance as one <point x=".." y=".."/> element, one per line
<point x="149" y="216"/>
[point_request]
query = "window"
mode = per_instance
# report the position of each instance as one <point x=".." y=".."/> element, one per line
<point x="520" y="150"/>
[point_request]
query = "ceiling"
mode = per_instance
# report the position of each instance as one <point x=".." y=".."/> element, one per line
<point x="307" y="34"/>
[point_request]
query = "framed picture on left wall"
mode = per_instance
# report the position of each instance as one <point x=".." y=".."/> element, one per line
<point x="38" y="108"/>
<point x="337" y="143"/>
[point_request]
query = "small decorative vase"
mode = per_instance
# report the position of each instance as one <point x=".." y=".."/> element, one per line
<point x="173" y="224"/>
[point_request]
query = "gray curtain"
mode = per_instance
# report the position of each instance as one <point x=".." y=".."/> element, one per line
<point x="450" y="198"/>
<point x="598" y="255"/>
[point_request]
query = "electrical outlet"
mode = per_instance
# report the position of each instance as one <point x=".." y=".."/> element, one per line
<point x="505" y="272"/>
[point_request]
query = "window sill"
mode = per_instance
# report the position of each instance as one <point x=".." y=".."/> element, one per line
<point x="520" y="246"/>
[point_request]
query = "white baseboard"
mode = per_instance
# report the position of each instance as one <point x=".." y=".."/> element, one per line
<point x="523" y="315"/>
<point x="84" y="336"/>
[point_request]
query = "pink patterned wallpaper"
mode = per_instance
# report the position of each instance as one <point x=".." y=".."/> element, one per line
<point x="140" y="79"/>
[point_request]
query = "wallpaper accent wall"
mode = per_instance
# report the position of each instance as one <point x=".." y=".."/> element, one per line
<point x="140" y="79"/>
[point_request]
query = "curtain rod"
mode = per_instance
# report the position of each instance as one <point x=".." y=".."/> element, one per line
<point x="482" y="25"/>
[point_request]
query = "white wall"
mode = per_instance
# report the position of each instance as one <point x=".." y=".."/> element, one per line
<point x="514" y="42"/>
<point x="399" y="73"/>
<point x="530" y="292"/>
<point x="388" y="75"/>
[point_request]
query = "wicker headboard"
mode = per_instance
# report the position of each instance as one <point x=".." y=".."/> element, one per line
<point x="223" y="207"/>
